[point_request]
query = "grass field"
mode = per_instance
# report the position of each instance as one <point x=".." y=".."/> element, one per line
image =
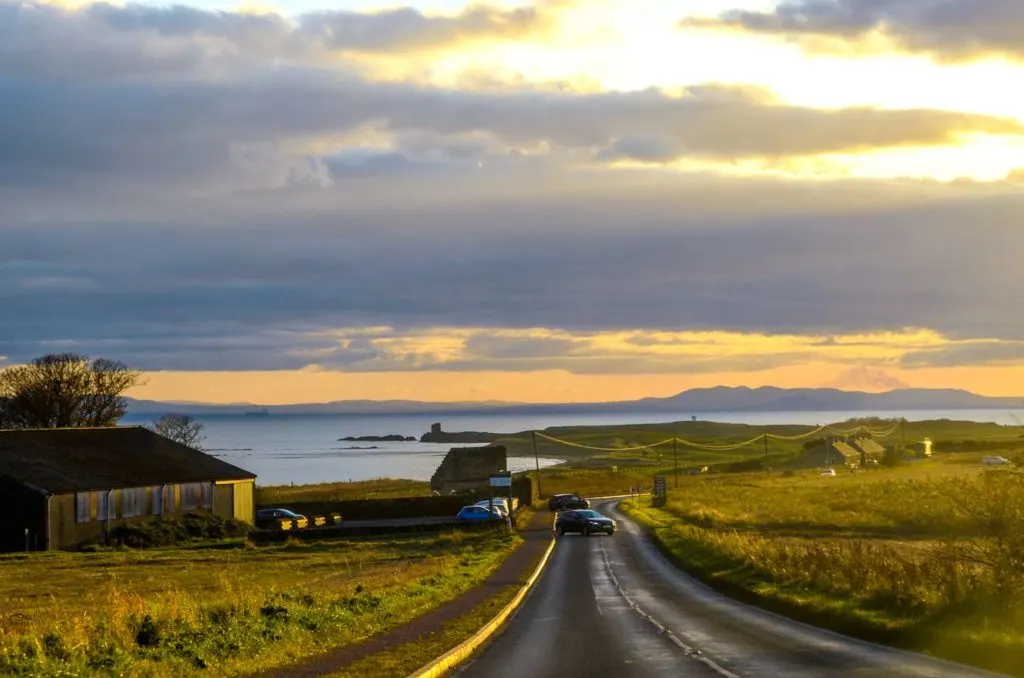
<point x="379" y="488"/>
<point x="928" y="556"/>
<point x="226" y="610"/>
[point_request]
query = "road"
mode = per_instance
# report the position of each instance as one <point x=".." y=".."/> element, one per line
<point x="615" y="607"/>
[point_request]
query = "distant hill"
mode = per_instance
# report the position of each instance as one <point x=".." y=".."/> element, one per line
<point x="695" y="401"/>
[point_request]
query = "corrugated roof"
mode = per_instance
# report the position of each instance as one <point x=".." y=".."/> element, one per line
<point x="81" y="459"/>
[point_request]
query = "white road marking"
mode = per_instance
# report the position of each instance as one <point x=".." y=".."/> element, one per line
<point x="692" y="652"/>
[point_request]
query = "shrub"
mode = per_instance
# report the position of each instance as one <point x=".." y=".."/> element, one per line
<point x="167" y="532"/>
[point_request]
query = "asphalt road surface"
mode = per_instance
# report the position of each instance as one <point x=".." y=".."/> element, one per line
<point x="614" y="607"/>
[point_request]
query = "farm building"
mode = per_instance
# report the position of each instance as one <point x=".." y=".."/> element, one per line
<point x="854" y="452"/>
<point x="62" y="488"/>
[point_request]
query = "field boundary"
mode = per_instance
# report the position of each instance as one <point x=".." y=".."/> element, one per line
<point x="463" y="650"/>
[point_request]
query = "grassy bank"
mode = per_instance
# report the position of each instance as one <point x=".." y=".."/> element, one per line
<point x="378" y="488"/>
<point x="929" y="558"/>
<point x="223" y="611"/>
<point x="402" y="661"/>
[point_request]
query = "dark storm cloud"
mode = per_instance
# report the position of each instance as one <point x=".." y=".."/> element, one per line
<point x="949" y="29"/>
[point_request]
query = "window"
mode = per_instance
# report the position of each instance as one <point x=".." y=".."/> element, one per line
<point x="170" y="498"/>
<point x="133" y="502"/>
<point x="158" y="500"/>
<point x="83" y="507"/>
<point x="192" y="496"/>
<point x="102" y="504"/>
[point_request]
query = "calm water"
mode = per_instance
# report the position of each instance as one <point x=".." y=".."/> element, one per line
<point x="300" y="449"/>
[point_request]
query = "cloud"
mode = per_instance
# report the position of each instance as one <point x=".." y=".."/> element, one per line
<point x="864" y="378"/>
<point x="972" y="353"/>
<point x="94" y="134"/>
<point x="94" y="41"/>
<point x="270" y="283"/>
<point x="189" y="190"/>
<point x="146" y="98"/>
<point x="948" y="29"/>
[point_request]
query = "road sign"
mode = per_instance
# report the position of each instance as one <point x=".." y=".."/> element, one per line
<point x="501" y="481"/>
<point x="660" y="496"/>
<point x="659" y="486"/>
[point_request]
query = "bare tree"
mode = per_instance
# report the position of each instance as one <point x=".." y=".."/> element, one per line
<point x="180" y="428"/>
<point x="65" y="390"/>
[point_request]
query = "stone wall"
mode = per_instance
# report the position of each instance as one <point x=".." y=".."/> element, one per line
<point x="466" y="468"/>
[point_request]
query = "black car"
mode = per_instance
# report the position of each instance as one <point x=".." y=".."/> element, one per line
<point x="563" y="502"/>
<point x="585" y="522"/>
<point x="270" y="517"/>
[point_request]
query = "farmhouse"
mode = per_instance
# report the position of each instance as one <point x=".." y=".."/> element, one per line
<point x="62" y="488"/>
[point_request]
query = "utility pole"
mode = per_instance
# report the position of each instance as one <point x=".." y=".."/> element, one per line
<point x="536" y="460"/>
<point x="765" y="439"/>
<point x="903" y="433"/>
<point x="675" y="456"/>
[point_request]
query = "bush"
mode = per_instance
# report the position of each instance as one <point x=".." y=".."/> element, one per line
<point x="190" y="527"/>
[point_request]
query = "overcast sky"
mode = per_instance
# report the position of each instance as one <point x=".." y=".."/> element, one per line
<point x="564" y="200"/>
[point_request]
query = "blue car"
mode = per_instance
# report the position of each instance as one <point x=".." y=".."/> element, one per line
<point x="478" y="514"/>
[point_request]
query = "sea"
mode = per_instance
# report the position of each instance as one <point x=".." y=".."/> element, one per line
<point x="298" y="449"/>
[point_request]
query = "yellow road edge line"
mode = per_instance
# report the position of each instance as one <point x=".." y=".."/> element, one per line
<point x="463" y="650"/>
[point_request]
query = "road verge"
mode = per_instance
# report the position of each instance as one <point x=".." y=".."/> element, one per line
<point x="465" y="649"/>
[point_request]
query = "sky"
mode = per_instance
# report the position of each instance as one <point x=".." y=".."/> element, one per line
<point x="569" y="200"/>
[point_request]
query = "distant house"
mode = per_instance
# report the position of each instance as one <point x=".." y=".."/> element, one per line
<point x="62" y="488"/>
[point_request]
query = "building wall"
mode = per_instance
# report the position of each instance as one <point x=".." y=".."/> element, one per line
<point x="224" y="500"/>
<point x="21" y="507"/>
<point x="151" y="503"/>
<point x="241" y="505"/>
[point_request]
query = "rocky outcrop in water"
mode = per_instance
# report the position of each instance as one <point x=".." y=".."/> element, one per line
<point x="395" y="438"/>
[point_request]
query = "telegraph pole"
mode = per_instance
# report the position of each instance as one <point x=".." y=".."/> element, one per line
<point x="765" y="439"/>
<point x="536" y="460"/>
<point x="675" y="457"/>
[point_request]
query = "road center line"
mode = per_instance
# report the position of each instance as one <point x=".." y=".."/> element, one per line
<point x="691" y="652"/>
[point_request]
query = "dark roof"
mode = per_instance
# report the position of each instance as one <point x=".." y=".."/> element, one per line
<point x="80" y="459"/>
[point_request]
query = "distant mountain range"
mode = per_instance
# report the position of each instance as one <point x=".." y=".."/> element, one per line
<point x="695" y="401"/>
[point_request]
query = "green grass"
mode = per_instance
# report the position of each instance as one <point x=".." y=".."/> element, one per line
<point x="928" y="557"/>
<point x="378" y="488"/>
<point x="947" y="436"/>
<point x="224" y="611"/>
<point x="403" y="660"/>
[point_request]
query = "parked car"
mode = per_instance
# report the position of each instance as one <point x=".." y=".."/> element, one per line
<point x="269" y="517"/>
<point x="563" y="502"/>
<point x="995" y="461"/>
<point x="477" y="513"/>
<point x="499" y="504"/>
<point x="828" y="473"/>
<point x="585" y="522"/>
